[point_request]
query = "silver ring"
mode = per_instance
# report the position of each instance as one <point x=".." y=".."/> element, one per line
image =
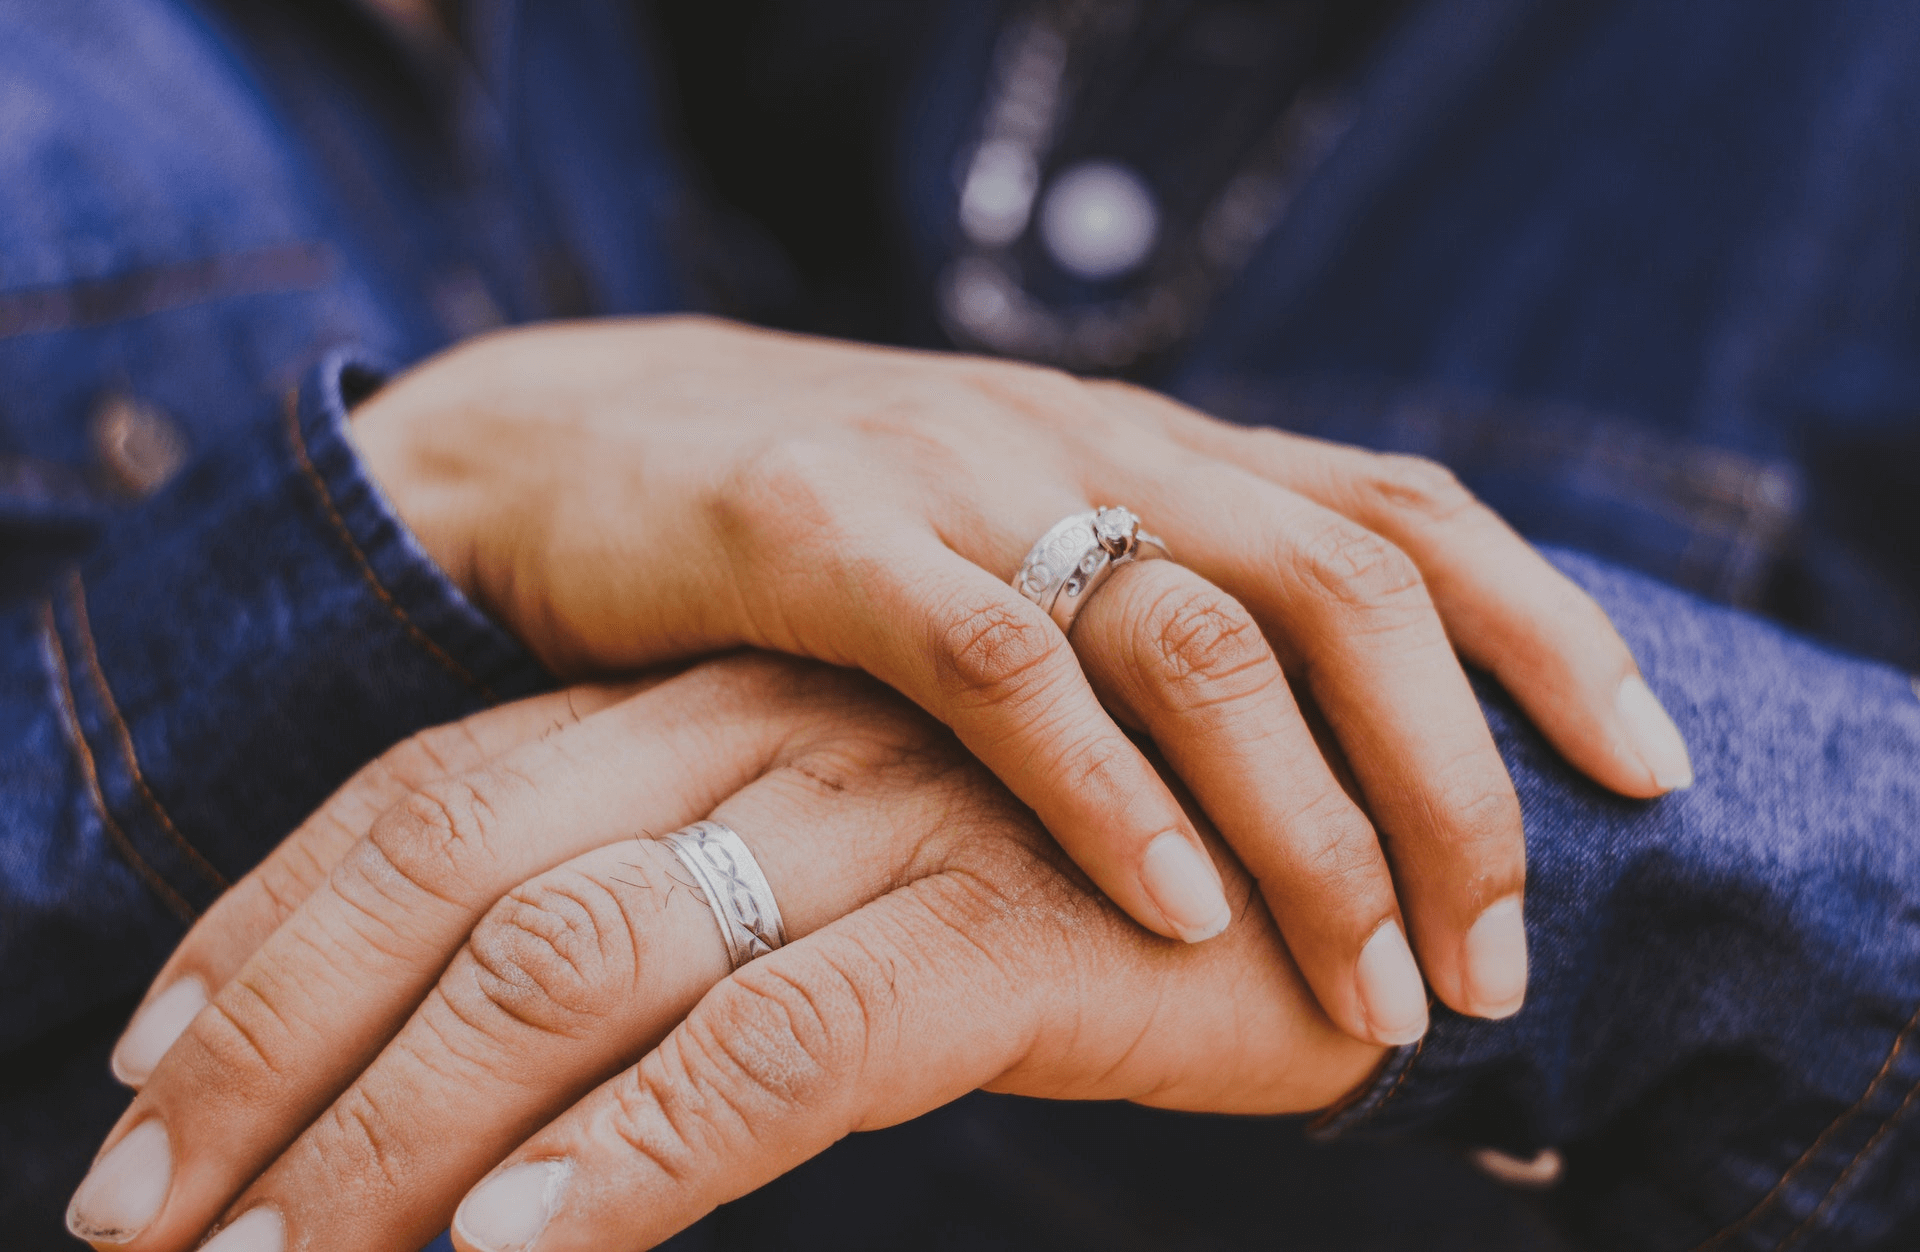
<point x="1078" y="554"/>
<point x="736" y="890"/>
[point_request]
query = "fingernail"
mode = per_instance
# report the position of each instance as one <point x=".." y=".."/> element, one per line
<point x="256" y="1230"/>
<point x="1183" y="882"/>
<point x="1497" y="960"/>
<point x="123" y="1191"/>
<point x="155" y="1028"/>
<point x="1654" y="735"/>
<point x="507" y="1212"/>
<point x="1391" y="993"/>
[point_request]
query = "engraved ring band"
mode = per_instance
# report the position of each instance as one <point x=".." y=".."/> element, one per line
<point x="736" y="890"/>
<point x="1078" y="554"/>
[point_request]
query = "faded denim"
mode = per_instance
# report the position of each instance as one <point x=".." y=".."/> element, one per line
<point x="1645" y="274"/>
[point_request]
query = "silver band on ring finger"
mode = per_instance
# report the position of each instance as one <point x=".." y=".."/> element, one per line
<point x="1079" y="553"/>
<point x="736" y="890"/>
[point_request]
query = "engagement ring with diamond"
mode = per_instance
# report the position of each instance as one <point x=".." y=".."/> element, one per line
<point x="1078" y="554"/>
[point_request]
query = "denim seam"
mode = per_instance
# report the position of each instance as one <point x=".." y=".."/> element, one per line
<point x="83" y="752"/>
<point x="345" y="535"/>
<point x="83" y="628"/>
<point x="273" y="270"/>
<point x="1401" y="1081"/>
<point x="1859" y="1158"/>
<point x="1362" y="1104"/>
<point x="1826" y="1136"/>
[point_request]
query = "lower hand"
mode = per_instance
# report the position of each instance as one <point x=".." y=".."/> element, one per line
<point x="461" y="958"/>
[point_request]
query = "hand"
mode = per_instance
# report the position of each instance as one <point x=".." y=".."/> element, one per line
<point x="632" y="492"/>
<point x="400" y="1000"/>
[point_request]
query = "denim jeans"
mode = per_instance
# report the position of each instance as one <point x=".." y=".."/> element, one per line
<point x="1644" y="274"/>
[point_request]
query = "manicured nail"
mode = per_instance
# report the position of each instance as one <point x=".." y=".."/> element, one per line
<point x="1497" y="960"/>
<point x="256" y="1230"/>
<point x="1183" y="882"/>
<point x="123" y="1191"/>
<point x="1391" y="993"/>
<point x="1654" y="735"/>
<point x="507" y="1212"/>
<point x="155" y="1028"/>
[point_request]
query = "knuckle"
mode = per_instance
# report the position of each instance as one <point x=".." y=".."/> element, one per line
<point x="646" y="1120"/>
<point x="762" y="1046"/>
<point x="359" y="1142"/>
<point x="782" y="494"/>
<point x="1035" y="392"/>
<point x="1358" y="568"/>
<point x="431" y="841"/>
<point x="1342" y="852"/>
<point x="437" y="750"/>
<point x="1424" y="488"/>
<point x="992" y="652"/>
<point x="554" y="955"/>
<point x="771" y="1042"/>
<point x="244" y="1036"/>
<point x="1096" y="766"/>
<point x="1484" y="813"/>
<point x="1200" y="633"/>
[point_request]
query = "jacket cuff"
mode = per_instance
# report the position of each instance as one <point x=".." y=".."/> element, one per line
<point x="243" y="642"/>
<point x="1721" y="1032"/>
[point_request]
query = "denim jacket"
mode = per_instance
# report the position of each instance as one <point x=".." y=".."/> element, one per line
<point x="1645" y="274"/>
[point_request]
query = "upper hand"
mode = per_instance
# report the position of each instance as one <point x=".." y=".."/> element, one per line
<point x="631" y="492"/>
<point x="467" y="942"/>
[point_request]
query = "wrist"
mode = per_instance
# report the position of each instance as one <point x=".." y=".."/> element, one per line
<point x="430" y="488"/>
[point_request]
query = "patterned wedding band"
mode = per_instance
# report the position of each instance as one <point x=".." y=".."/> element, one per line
<point x="736" y="890"/>
<point x="1077" y="555"/>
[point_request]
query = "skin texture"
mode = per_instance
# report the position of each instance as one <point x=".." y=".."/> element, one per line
<point x="468" y="955"/>
<point x="622" y="494"/>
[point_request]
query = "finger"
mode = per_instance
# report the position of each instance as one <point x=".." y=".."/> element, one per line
<point x="972" y="651"/>
<point x="883" y="1017"/>
<point x="1190" y="664"/>
<point x="1015" y="980"/>
<point x="240" y="921"/>
<point x="578" y="973"/>
<point x="316" y="1002"/>
<point x="1507" y="608"/>
<point x="1353" y="613"/>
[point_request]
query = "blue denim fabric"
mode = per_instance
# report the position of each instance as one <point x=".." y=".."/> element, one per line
<point x="1644" y="273"/>
<point x="199" y="206"/>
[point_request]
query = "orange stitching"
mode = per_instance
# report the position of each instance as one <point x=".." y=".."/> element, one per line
<point x="1394" y="1090"/>
<point x="1847" y="1173"/>
<point x="1336" y="1111"/>
<point x="77" y="592"/>
<point x="319" y="486"/>
<point x="1793" y="1170"/>
<point x="177" y="902"/>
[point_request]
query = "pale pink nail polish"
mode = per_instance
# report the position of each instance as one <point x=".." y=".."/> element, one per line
<point x="154" y="1028"/>
<point x="125" y="1188"/>
<point x="1496" y="960"/>
<point x="1391" y="991"/>
<point x="1655" y="738"/>
<point x="507" y="1212"/>
<point x="1183" y="882"/>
